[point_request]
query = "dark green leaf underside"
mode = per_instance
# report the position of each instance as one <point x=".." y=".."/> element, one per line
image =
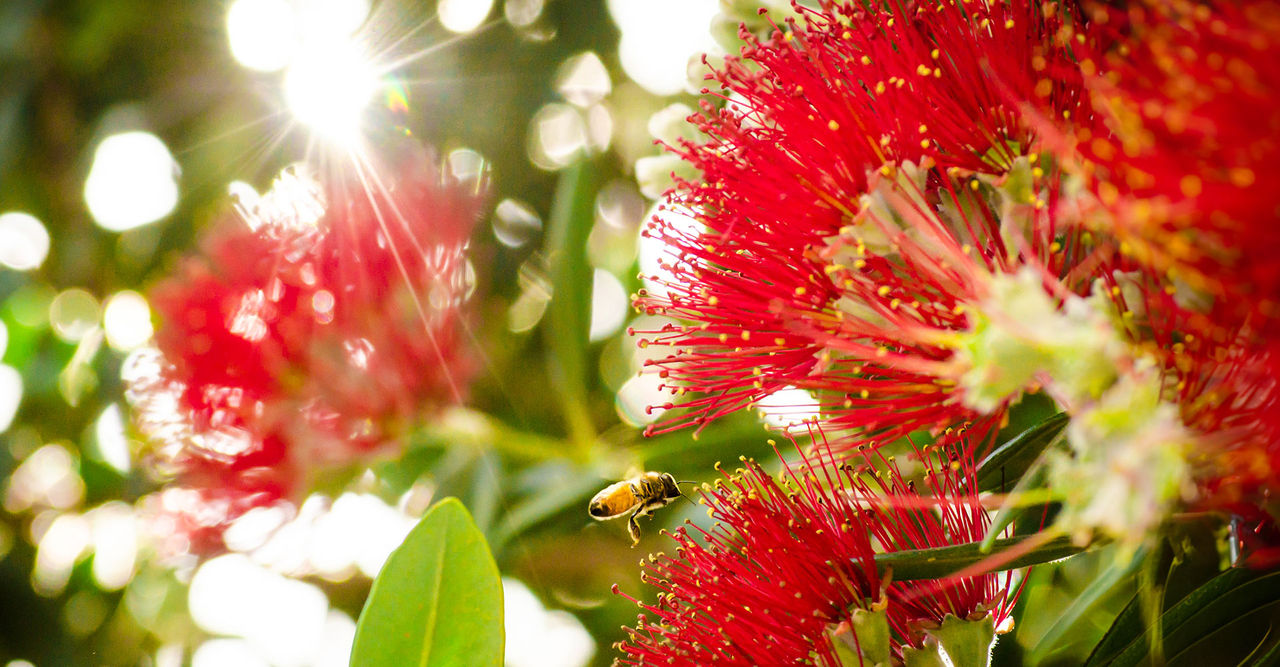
<point x="1004" y="466"/>
<point x="1226" y="598"/>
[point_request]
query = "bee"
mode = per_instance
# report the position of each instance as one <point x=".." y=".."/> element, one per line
<point x="637" y="496"/>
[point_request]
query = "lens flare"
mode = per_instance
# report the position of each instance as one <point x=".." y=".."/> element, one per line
<point x="328" y="89"/>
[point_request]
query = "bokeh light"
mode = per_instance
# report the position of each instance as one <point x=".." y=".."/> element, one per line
<point x="557" y="136"/>
<point x="515" y="223"/>
<point x="659" y="37"/>
<point x="262" y="33"/>
<point x="468" y="166"/>
<point x="583" y="80"/>
<point x="609" y="305"/>
<point x="227" y="653"/>
<point x="537" y="637"/>
<point x="74" y="313"/>
<point x="637" y="395"/>
<point x="110" y="441"/>
<point x="132" y="182"/>
<point x="522" y="13"/>
<point x="10" y="395"/>
<point x="283" y="619"/>
<point x="66" y="540"/>
<point x="788" y="407"/>
<point x="463" y="16"/>
<point x="24" y="242"/>
<point x="655" y="256"/>
<point x="46" y="479"/>
<point x="115" y="544"/>
<point x="127" y="320"/>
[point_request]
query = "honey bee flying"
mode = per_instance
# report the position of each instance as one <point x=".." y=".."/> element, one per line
<point x="637" y="496"/>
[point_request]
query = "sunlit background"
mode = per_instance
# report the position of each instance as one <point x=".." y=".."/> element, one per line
<point x="127" y="128"/>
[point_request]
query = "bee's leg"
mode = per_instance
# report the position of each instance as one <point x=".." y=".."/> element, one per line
<point x="634" y="528"/>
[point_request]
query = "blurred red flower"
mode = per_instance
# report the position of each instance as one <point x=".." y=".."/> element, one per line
<point x="1185" y="164"/>
<point x="309" y="339"/>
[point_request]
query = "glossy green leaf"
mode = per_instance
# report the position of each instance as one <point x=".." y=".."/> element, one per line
<point x="568" y="319"/>
<point x="1004" y="466"/>
<point x="943" y="561"/>
<point x="438" y="599"/>
<point x="1226" y="598"/>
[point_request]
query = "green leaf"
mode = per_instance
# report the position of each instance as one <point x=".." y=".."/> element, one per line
<point x="438" y="599"/>
<point x="568" y="320"/>
<point x="1004" y="466"/>
<point x="944" y="561"/>
<point x="1225" y="599"/>
<point x="1086" y="602"/>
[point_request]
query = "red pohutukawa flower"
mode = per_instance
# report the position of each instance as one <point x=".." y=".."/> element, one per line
<point x="782" y="576"/>
<point x="310" y="338"/>
<point x="871" y="167"/>
<point x="1188" y="93"/>
<point x="1186" y="174"/>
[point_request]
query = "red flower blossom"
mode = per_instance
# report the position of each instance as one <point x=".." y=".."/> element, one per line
<point x="1188" y="93"/>
<point x="1185" y="172"/>
<point x="310" y="339"/>
<point x="826" y="260"/>
<point x="789" y="562"/>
